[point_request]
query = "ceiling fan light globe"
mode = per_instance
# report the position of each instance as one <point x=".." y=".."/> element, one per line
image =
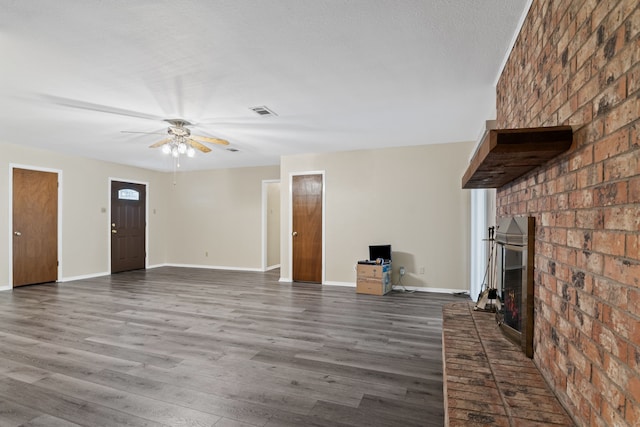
<point x="191" y="152"/>
<point x="166" y="149"/>
<point x="175" y="152"/>
<point x="182" y="148"/>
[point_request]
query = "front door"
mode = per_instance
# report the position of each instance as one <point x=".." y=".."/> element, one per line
<point x="306" y="196"/>
<point x="128" y="226"/>
<point x="35" y="227"/>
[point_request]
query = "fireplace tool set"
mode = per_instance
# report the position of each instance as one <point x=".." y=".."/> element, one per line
<point x="488" y="299"/>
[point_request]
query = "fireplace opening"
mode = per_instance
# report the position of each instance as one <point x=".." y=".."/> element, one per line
<point x="514" y="282"/>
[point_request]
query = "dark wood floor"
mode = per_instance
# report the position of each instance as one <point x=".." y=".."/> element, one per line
<point x="194" y="347"/>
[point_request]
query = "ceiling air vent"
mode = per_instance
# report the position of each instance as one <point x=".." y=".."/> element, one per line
<point x="263" y="111"/>
<point x="233" y="150"/>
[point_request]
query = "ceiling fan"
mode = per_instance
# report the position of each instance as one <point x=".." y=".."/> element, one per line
<point x="181" y="141"/>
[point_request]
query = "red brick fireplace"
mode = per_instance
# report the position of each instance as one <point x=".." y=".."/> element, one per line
<point x="578" y="63"/>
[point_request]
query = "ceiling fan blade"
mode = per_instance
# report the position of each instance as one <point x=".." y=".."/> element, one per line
<point x="84" y="105"/>
<point x="211" y="140"/>
<point x="198" y="146"/>
<point x="147" y="133"/>
<point x="160" y="143"/>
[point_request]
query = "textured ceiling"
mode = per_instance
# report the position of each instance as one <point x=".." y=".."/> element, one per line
<point x="340" y="74"/>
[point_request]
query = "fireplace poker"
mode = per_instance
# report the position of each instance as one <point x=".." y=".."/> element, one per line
<point x="490" y="292"/>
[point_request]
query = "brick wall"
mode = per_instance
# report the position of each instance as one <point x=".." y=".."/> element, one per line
<point x="578" y="63"/>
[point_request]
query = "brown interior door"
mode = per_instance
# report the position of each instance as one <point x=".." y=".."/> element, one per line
<point x="128" y="226"/>
<point x="307" y="228"/>
<point x="35" y="227"/>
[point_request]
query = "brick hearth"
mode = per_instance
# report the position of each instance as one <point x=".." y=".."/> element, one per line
<point x="488" y="381"/>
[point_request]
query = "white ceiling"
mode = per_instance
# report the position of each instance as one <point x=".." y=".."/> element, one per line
<point x="340" y="74"/>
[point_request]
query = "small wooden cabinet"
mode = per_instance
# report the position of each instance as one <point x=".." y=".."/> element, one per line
<point x="373" y="279"/>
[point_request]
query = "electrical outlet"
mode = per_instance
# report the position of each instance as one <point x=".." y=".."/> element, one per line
<point x="206" y="254"/>
<point x="421" y="270"/>
<point x="402" y="271"/>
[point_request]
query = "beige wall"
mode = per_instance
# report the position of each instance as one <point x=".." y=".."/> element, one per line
<point x="410" y="197"/>
<point x="208" y="218"/>
<point x="85" y="193"/>
<point x="216" y="217"/>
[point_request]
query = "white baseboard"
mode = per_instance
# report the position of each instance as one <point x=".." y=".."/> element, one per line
<point x="346" y="284"/>
<point x="84" y="276"/>
<point x="214" y="267"/>
<point x="409" y="288"/>
<point x="272" y="267"/>
<point x="6" y="288"/>
<point x="155" y="266"/>
<point x="434" y="290"/>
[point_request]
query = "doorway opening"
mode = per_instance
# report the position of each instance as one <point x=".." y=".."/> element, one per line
<point x="270" y="224"/>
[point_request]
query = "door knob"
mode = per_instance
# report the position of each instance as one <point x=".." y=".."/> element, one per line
<point x="294" y="234"/>
<point x="17" y="233"/>
<point x="114" y="231"/>
<point x="113" y="224"/>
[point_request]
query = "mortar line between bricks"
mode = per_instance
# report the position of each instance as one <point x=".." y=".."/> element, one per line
<point x="507" y="408"/>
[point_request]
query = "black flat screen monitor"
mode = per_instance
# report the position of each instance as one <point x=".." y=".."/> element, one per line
<point x="380" y="251"/>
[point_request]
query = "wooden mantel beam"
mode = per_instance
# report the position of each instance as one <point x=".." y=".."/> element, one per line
<point x="506" y="154"/>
